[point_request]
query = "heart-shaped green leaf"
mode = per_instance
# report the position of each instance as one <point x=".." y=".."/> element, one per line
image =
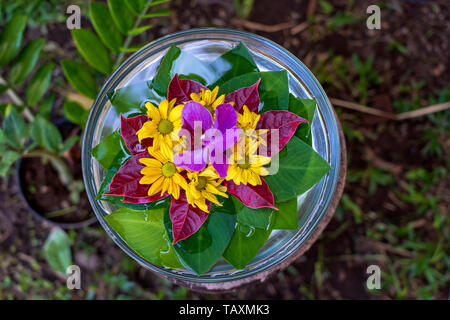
<point x="39" y="84"/>
<point x="25" y="61"/>
<point x="131" y="99"/>
<point x="233" y="63"/>
<point x="144" y="232"/>
<point x="273" y="89"/>
<point x="304" y="108"/>
<point x="300" y="168"/>
<point x="11" y="38"/>
<point x="286" y="218"/>
<point x="201" y="250"/>
<point x="79" y="76"/>
<point x="186" y="65"/>
<point x="109" y="149"/>
<point x="92" y="50"/>
<point x="104" y="25"/>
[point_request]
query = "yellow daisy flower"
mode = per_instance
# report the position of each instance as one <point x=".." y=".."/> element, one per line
<point x="245" y="166"/>
<point x="248" y="121"/>
<point x="162" y="175"/>
<point x="209" y="98"/>
<point x="204" y="185"/>
<point x="164" y="124"/>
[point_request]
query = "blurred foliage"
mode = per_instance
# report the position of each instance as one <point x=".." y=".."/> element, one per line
<point x="115" y="25"/>
<point x="39" y="12"/>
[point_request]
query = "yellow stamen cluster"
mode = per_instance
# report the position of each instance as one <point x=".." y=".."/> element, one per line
<point x="209" y="99"/>
<point x="162" y="174"/>
<point x="164" y="124"/>
<point x="204" y="185"/>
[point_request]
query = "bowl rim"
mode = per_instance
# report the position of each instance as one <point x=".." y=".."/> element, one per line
<point x="195" y="34"/>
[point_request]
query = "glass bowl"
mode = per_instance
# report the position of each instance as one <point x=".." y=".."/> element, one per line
<point x="207" y="44"/>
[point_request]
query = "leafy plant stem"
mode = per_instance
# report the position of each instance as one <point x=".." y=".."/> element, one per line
<point x="128" y="39"/>
<point x="61" y="167"/>
<point x="16" y="100"/>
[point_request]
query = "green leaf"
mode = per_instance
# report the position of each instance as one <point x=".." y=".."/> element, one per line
<point x="186" y="65"/>
<point x="304" y="108"/>
<point x="104" y="25"/>
<point x="46" y="134"/>
<point x="11" y="38"/>
<point x="286" y="218"/>
<point x="136" y="5"/>
<point x="144" y="232"/>
<point x="8" y="158"/>
<point x="299" y="170"/>
<point x="258" y="218"/>
<point x="121" y="15"/>
<point x="136" y="31"/>
<point x="3" y="138"/>
<point x="15" y="128"/>
<point x="160" y="12"/>
<point x="233" y="63"/>
<point x="245" y="244"/>
<point x="75" y="113"/>
<point x="133" y="48"/>
<point x="273" y="89"/>
<point x="92" y="50"/>
<point x="57" y="250"/>
<point x="46" y="106"/>
<point x="109" y="148"/>
<point x="25" y="61"/>
<point x="68" y="144"/>
<point x="201" y="250"/>
<point x="131" y="98"/>
<point x="253" y="228"/>
<point x="80" y="78"/>
<point x="39" y="84"/>
<point x="157" y="2"/>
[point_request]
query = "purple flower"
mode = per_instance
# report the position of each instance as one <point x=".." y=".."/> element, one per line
<point x="210" y="141"/>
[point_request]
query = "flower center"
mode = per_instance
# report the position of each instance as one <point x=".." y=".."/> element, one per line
<point x="168" y="169"/>
<point x="165" y="126"/>
<point x="246" y="164"/>
<point x="201" y="183"/>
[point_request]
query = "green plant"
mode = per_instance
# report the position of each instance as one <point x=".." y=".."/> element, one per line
<point x="243" y="7"/>
<point x="39" y="12"/>
<point x="116" y="25"/>
<point x="26" y="129"/>
<point x="367" y="76"/>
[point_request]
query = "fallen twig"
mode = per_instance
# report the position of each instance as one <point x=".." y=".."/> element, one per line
<point x="263" y="27"/>
<point x="389" y="115"/>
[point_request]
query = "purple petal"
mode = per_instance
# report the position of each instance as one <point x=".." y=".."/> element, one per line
<point x="194" y="160"/>
<point x="221" y="166"/>
<point x="226" y="117"/>
<point x="195" y="116"/>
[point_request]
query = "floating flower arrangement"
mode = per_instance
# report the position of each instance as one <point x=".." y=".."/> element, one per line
<point x="209" y="159"/>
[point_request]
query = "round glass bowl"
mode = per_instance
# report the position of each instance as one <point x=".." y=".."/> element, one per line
<point x="208" y="44"/>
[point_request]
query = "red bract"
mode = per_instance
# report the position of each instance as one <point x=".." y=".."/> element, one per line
<point x="245" y="96"/>
<point x="182" y="89"/>
<point x="186" y="219"/>
<point x="128" y="129"/>
<point x="126" y="182"/>
<point x="286" y="122"/>
<point x="252" y="196"/>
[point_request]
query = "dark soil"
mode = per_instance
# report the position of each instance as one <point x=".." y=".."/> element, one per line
<point x="45" y="192"/>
